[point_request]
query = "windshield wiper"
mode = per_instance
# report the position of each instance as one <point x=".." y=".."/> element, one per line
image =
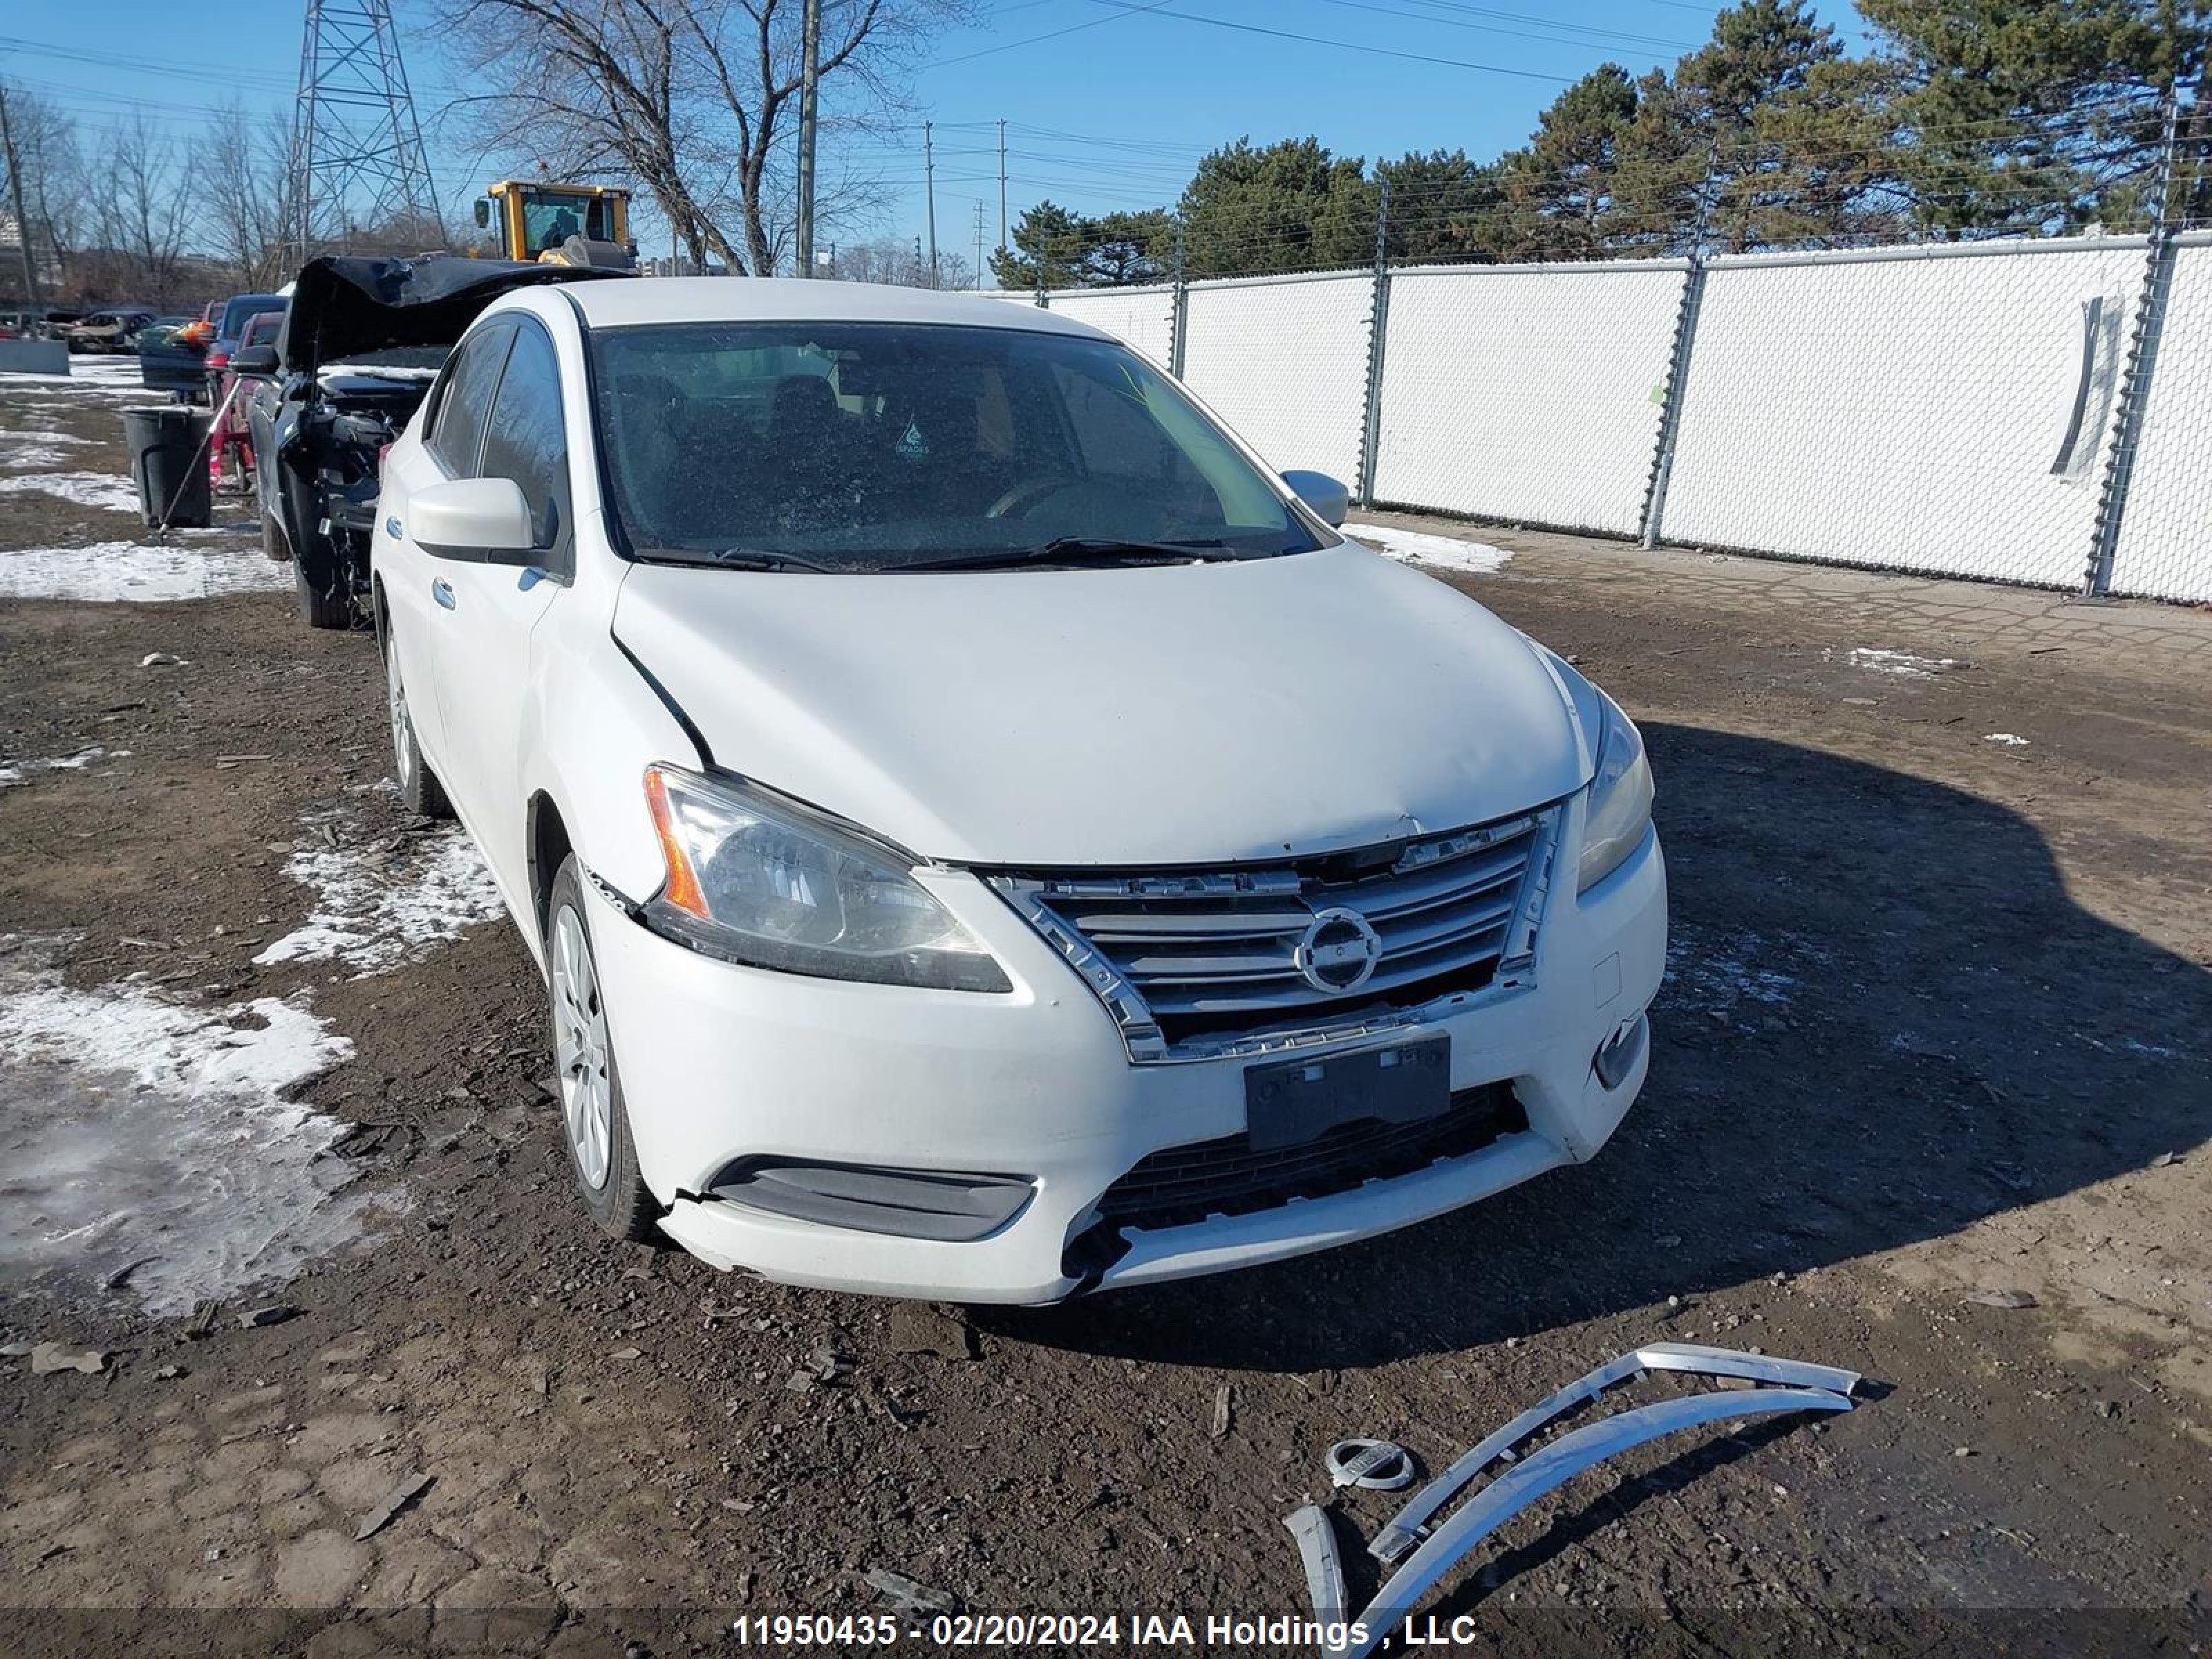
<point x="1074" y="549"/>
<point x="760" y="558"/>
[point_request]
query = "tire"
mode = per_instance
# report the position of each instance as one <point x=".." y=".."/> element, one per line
<point x="321" y="606"/>
<point x="272" y="539"/>
<point x="419" y="787"/>
<point x="594" y="1120"/>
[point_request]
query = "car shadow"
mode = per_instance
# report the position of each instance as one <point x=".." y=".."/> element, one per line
<point x="1885" y="1018"/>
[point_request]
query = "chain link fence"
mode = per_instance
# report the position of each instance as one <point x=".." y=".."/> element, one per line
<point x="1527" y="393"/>
<point x="1942" y="409"/>
<point x="2163" y="548"/>
<point x="2032" y="411"/>
<point x="1284" y="360"/>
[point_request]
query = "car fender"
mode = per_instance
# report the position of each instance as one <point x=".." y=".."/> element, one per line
<point x="591" y="736"/>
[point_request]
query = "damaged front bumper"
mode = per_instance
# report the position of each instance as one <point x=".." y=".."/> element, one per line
<point x="770" y="1111"/>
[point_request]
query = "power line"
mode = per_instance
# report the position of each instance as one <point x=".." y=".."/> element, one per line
<point x="1031" y="40"/>
<point x="1341" y="45"/>
<point x="1549" y="39"/>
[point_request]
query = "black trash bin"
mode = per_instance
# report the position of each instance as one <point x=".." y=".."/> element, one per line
<point x="168" y="463"/>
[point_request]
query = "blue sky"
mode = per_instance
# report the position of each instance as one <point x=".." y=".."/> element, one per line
<point x="1108" y="102"/>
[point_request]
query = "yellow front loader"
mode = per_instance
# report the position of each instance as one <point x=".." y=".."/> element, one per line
<point x="561" y="224"/>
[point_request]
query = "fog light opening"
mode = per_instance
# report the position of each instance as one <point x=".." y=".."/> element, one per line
<point x="1618" y="1054"/>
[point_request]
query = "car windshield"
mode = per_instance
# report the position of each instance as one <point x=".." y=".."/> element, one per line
<point x="867" y="446"/>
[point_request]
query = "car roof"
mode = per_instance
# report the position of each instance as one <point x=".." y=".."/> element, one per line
<point x="784" y="299"/>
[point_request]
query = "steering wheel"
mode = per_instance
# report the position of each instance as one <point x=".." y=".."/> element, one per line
<point x="1024" y="496"/>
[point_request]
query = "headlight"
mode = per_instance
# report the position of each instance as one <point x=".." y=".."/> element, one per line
<point x="1619" y="809"/>
<point x="768" y="883"/>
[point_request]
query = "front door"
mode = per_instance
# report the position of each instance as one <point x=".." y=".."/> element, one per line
<point x="484" y="658"/>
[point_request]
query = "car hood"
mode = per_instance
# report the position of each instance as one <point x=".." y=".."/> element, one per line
<point x="1186" y="715"/>
<point x="343" y="306"/>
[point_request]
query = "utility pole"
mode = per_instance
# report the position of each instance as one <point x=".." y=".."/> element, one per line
<point x="1002" y="189"/>
<point x="810" y="72"/>
<point x="929" y="177"/>
<point x="15" y="191"/>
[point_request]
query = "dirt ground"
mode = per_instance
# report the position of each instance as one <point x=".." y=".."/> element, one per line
<point x="1930" y="1100"/>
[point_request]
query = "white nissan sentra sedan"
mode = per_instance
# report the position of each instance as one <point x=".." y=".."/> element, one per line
<point x="986" y="836"/>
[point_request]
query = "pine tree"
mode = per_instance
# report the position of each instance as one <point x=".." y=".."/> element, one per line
<point x="1048" y="238"/>
<point x="1442" y="207"/>
<point x="1288" y="206"/>
<point x="1559" y="191"/>
<point x="2029" y="116"/>
<point x="1755" y="137"/>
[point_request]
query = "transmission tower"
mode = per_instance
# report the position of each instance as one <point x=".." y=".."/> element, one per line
<point x="357" y="158"/>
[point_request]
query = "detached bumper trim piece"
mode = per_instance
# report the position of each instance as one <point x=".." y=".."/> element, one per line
<point x="1522" y="1483"/>
<point x="1410" y="1524"/>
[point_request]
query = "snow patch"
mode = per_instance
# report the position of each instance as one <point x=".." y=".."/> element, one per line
<point x="1901" y="663"/>
<point x="398" y="373"/>
<point x="2010" y="740"/>
<point x="110" y="572"/>
<point x="42" y="452"/>
<point x="149" y="1143"/>
<point x="378" y="905"/>
<point x="18" y="771"/>
<point x="10" y="454"/>
<point x="1716" y="972"/>
<point x="1417" y="547"/>
<point x="102" y="490"/>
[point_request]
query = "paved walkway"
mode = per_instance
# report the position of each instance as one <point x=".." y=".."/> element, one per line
<point x="1987" y="617"/>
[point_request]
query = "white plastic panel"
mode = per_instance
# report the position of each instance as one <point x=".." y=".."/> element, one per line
<point x="1525" y="392"/>
<point x="1143" y="317"/>
<point x="1284" y="360"/>
<point x="1901" y="412"/>
<point x="2166" y="533"/>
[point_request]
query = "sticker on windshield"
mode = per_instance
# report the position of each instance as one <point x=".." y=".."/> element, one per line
<point x="912" y="445"/>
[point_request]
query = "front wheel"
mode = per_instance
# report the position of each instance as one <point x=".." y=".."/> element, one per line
<point x="602" y="1156"/>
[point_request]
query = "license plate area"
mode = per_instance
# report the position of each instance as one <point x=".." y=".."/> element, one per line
<point x="1293" y="1102"/>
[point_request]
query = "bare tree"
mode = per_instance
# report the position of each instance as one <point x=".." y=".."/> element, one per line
<point x="144" y="210"/>
<point x="54" y="194"/>
<point x="901" y="263"/>
<point x="691" y="100"/>
<point x="246" y="184"/>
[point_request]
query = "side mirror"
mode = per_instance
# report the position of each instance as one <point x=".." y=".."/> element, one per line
<point x="486" y="518"/>
<point x="1328" y="498"/>
<point x="255" y="363"/>
<point x="483" y="213"/>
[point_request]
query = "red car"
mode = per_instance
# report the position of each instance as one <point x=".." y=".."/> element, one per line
<point x="230" y="451"/>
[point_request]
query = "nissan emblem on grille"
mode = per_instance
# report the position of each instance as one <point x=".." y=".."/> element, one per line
<point x="1325" y="947"/>
<point x="1338" y="953"/>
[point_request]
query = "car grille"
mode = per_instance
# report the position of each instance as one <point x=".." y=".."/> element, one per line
<point x="1201" y="963"/>
<point x="1184" y="1185"/>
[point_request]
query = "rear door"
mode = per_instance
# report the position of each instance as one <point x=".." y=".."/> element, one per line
<point x="418" y="593"/>
<point x="484" y="648"/>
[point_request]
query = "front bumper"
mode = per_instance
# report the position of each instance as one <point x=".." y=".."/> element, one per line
<point x="720" y="1063"/>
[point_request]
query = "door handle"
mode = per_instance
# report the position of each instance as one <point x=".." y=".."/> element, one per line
<point x="442" y="591"/>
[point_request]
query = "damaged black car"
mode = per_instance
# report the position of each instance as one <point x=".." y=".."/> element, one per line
<point x="363" y="340"/>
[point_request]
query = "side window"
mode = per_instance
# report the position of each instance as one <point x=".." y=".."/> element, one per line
<point x="467" y="395"/>
<point x="526" y="441"/>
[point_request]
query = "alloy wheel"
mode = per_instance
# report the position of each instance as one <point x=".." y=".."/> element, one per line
<point x="403" y="734"/>
<point x="579" y="1045"/>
